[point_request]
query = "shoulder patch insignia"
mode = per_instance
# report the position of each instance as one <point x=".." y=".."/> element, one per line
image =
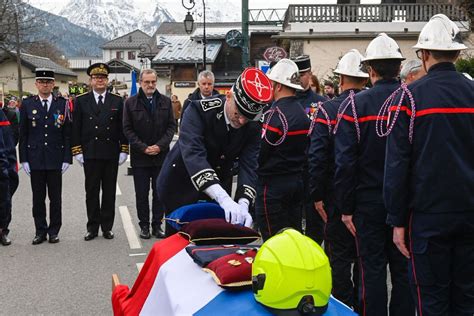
<point x="117" y="95"/>
<point x="209" y="104"/>
<point x="80" y="95"/>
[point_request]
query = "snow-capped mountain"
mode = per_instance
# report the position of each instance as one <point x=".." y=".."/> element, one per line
<point x="113" y="18"/>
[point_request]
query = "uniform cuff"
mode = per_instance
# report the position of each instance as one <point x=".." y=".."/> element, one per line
<point x="246" y="192"/>
<point x="76" y="150"/>
<point x="204" y="179"/>
<point x="124" y="148"/>
<point x="396" y="221"/>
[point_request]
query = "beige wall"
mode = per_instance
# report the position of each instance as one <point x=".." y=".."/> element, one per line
<point x="325" y="53"/>
<point x="8" y="76"/>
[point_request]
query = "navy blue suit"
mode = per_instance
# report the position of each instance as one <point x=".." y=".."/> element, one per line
<point x="338" y="241"/>
<point x="358" y="183"/>
<point x="314" y="224"/>
<point x="204" y="155"/>
<point x="45" y="145"/>
<point x="429" y="187"/>
<point x="280" y="193"/>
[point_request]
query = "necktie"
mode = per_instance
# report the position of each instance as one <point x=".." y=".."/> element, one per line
<point x="100" y="103"/>
<point x="45" y="105"/>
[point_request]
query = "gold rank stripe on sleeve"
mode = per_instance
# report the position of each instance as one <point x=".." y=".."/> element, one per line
<point x="76" y="150"/>
<point x="124" y="148"/>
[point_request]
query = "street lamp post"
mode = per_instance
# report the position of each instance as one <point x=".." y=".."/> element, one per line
<point x="189" y="23"/>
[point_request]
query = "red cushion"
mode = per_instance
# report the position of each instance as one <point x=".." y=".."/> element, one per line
<point x="233" y="271"/>
<point x="216" y="231"/>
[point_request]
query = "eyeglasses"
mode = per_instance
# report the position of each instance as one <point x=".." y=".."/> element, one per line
<point x="45" y="82"/>
<point x="419" y="53"/>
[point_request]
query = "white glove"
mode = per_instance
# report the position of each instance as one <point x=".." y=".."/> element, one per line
<point x="232" y="211"/>
<point x="122" y="158"/>
<point x="80" y="159"/>
<point x="244" y="210"/>
<point x="64" y="167"/>
<point x="26" y="167"/>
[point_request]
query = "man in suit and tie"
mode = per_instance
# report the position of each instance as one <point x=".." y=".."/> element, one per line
<point x="98" y="144"/>
<point x="45" y="152"/>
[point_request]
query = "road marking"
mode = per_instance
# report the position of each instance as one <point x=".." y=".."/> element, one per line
<point x="140" y="266"/>
<point x="118" y="191"/>
<point x="133" y="240"/>
<point x="138" y="254"/>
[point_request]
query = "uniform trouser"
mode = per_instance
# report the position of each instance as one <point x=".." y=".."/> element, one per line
<point x="49" y="181"/>
<point x="314" y="223"/>
<point x="442" y="263"/>
<point x="279" y="203"/>
<point x="375" y="249"/>
<point x="13" y="185"/>
<point x="142" y="177"/>
<point x="4" y="201"/>
<point x="339" y="245"/>
<point x="100" y="173"/>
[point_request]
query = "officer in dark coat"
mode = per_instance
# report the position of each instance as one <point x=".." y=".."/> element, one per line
<point x="282" y="155"/>
<point x="45" y="152"/>
<point x="205" y="89"/>
<point x="429" y="176"/>
<point x="338" y="242"/>
<point x="309" y="100"/>
<point x="149" y="125"/>
<point x="214" y="133"/>
<point x="8" y="177"/>
<point x="99" y="144"/>
<point x="358" y="182"/>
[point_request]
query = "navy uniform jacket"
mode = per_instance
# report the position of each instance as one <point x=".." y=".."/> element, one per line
<point x="204" y="155"/>
<point x="4" y="168"/>
<point x="434" y="174"/>
<point x="309" y="99"/>
<point x="44" y="136"/>
<point x="97" y="132"/>
<point x="289" y="156"/>
<point x="321" y="151"/>
<point x="358" y="178"/>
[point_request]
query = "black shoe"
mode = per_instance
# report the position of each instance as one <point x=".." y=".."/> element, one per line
<point x="108" y="234"/>
<point x="4" y="240"/>
<point x="158" y="233"/>
<point x="90" y="236"/>
<point x="145" y="233"/>
<point x="54" y="239"/>
<point x="38" y="239"/>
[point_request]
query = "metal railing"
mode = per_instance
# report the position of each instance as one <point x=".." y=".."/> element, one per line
<point x="266" y="16"/>
<point x="412" y="12"/>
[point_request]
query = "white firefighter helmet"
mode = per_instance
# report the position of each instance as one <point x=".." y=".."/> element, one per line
<point x="350" y="65"/>
<point x="383" y="47"/>
<point x="440" y="33"/>
<point x="286" y="72"/>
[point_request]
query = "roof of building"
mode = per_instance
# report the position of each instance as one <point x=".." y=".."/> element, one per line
<point x="219" y="31"/>
<point x="181" y="49"/>
<point x="120" y="66"/>
<point x="130" y="40"/>
<point x="33" y="62"/>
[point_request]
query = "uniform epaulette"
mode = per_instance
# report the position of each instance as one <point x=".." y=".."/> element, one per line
<point x="209" y="104"/>
<point x="79" y="95"/>
<point x="117" y="95"/>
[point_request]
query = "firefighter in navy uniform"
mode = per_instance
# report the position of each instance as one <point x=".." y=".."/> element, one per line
<point x="45" y="152"/>
<point x="309" y="100"/>
<point x="98" y="143"/>
<point x="8" y="177"/>
<point x="358" y="181"/>
<point x="214" y="133"/>
<point x="338" y="243"/>
<point x="280" y="195"/>
<point x="429" y="176"/>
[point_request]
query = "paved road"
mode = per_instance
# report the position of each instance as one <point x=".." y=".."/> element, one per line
<point x="72" y="277"/>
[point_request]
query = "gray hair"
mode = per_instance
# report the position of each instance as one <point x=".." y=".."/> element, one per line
<point x="206" y="74"/>
<point x="409" y="67"/>
<point x="146" y="72"/>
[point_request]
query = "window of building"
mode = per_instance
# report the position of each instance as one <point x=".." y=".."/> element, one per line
<point x="119" y="55"/>
<point x="132" y="55"/>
